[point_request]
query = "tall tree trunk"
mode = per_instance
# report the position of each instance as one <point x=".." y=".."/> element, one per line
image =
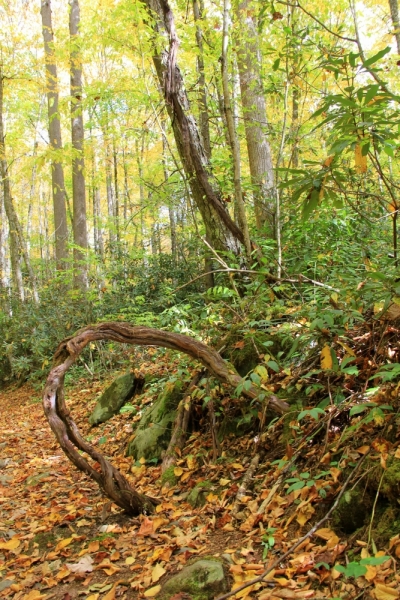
<point x="16" y="236"/>
<point x="78" y="164"/>
<point x="198" y="10"/>
<point x="255" y="119"/>
<point x="57" y="173"/>
<point x="220" y="228"/>
<point x="394" y="12"/>
<point x="234" y="142"/>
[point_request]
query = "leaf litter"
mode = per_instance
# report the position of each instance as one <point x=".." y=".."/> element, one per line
<point x="61" y="539"/>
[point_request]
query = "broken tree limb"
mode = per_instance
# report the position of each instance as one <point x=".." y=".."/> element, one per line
<point x="110" y="480"/>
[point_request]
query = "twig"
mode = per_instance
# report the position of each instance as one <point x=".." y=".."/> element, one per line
<point x="301" y="540"/>
<point x="374" y="507"/>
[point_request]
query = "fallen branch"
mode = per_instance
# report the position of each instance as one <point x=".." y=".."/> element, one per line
<point x="292" y="548"/>
<point x="110" y="480"/>
<point x="245" y="483"/>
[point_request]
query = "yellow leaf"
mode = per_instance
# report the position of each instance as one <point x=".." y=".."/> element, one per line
<point x="63" y="543"/>
<point x="93" y="597"/>
<point x="178" y="471"/>
<point x="157" y="572"/>
<point x="142" y="460"/>
<point x="363" y="449"/>
<point x="64" y="572"/>
<point x="223" y="481"/>
<point x="191" y="462"/>
<point x="325" y="533"/>
<point x="153" y="591"/>
<point x="238" y="466"/>
<point x="130" y="560"/>
<point x="186" y="475"/>
<point x="384" y="592"/>
<point x="371" y="572"/>
<point x="347" y="348"/>
<point x="10" y="545"/>
<point x="360" y="161"/>
<point x="326" y="358"/>
<point x="33" y="595"/>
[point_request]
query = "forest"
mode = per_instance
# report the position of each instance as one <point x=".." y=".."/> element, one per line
<point x="199" y="299"/>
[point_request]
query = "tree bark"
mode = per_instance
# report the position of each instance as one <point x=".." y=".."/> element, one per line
<point x="78" y="164"/>
<point x="394" y="12"/>
<point x="255" y="120"/>
<point x="111" y="481"/>
<point x="57" y="173"/>
<point x="220" y="228"/>
<point x="198" y="10"/>
<point x="234" y="142"/>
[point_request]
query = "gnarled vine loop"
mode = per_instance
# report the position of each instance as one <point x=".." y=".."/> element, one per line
<point x="110" y="480"/>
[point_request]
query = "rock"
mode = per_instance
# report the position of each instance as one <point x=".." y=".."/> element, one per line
<point x="116" y="395"/>
<point x="155" y="428"/>
<point x="202" y="580"/>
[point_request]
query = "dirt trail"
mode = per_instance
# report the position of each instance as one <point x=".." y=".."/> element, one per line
<point x="60" y="538"/>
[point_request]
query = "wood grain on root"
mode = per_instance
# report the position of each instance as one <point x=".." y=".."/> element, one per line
<point x="110" y="480"/>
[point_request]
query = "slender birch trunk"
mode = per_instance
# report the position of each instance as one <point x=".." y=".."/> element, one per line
<point x="78" y="164"/>
<point x="55" y="142"/>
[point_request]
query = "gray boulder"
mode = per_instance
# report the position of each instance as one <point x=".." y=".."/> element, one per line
<point x="113" y="398"/>
<point x="204" y="579"/>
<point x="155" y="428"/>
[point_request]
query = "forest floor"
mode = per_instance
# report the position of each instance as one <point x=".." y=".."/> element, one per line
<point x="61" y="539"/>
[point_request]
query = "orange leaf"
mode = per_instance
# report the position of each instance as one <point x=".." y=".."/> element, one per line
<point x="146" y="528"/>
<point x="10" y="545"/>
<point x="384" y="592"/>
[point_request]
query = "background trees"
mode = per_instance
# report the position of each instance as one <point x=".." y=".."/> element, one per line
<point x="211" y="132"/>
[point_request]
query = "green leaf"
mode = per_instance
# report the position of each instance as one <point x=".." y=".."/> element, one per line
<point x="310" y="204"/>
<point x="376" y="57"/>
<point x="371" y="93"/>
<point x="356" y="410"/>
<point x="296" y="486"/>
<point x="273" y="365"/>
<point x="374" y="560"/>
<point x="275" y="65"/>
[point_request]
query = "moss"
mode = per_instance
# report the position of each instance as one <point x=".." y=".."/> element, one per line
<point x="45" y="540"/>
<point x="169" y="477"/>
<point x="155" y="428"/>
<point x="352" y="511"/>
<point x="246" y="357"/>
<point x="386" y="525"/>
<point x="197" y="496"/>
<point x="391" y="481"/>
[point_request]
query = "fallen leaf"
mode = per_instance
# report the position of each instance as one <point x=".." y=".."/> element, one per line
<point x="10" y="545"/>
<point x="157" y="572"/>
<point x="178" y="471"/>
<point x="33" y="595"/>
<point x="384" y="592"/>
<point x="64" y="543"/>
<point x="153" y="591"/>
<point x="146" y="528"/>
<point x="84" y="565"/>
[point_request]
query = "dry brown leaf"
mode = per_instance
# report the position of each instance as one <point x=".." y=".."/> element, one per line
<point x="146" y="527"/>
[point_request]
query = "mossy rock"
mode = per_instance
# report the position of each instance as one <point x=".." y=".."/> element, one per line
<point x="352" y="512"/>
<point x="197" y="496"/>
<point x="204" y="579"/>
<point x="113" y="398"/>
<point x="155" y="428"/>
<point x="391" y="481"/>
